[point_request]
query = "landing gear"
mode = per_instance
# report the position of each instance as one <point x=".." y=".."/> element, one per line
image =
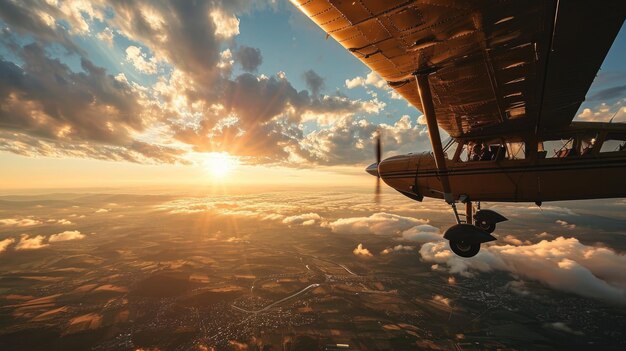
<point x="489" y="227"/>
<point x="464" y="249"/>
<point x="465" y="238"/>
<point x="487" y="219"/>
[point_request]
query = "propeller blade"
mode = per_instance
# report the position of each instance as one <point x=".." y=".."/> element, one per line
<point x="378" y="158"/>
<point x="377" y="191"/>
<point x="378" y="148"/>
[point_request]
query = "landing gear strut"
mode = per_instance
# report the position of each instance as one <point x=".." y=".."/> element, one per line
<point x="465" y="237"/>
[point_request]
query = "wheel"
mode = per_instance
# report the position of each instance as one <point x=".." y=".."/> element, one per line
<point x="489" y="227"/>
<point x="464" y="249"/>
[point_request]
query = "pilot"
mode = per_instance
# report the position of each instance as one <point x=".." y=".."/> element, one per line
<point x="486" y="154"/>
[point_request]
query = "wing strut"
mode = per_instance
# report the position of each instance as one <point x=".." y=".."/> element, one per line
<point x="423" y="89"/>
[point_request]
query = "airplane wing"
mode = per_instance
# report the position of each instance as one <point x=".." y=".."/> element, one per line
<point x="499" y="66"/>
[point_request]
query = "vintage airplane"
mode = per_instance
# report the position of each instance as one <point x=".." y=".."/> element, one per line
<point x="504" y="79"/>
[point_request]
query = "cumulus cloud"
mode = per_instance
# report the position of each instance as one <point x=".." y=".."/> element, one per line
<point x="371" y="79"/>
<point x="66" y="235"/>
<point x="604" y="112"/>
<point x="226" y="25"/>
<point x="378" y="223"/>
<point x="303" y="219"/>
<point x="140" y="60"/>
<point x="313" y="81"/>
<point x="5" y="243"/>
<point x="31" y="243"/>
<point x="563" y="264"/>
<point x="195" y="104"/>
<point x="107" y="36"/>
<point x="422" y="233"/>
<point x="249" y="58"/>
<point x="565" y="224"/>
<point x="361" y="251"/>
<point x="397" y="248"/>
<point x="38" y="20"/>
<point x="511" y="239"/>
<point x="19" y="222"/>
<point x="350" y="140"/>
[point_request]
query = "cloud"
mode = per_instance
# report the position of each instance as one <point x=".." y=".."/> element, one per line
<point x="361" y="251"/>
<point x="249" y="58"/>
<point x="5" y="243"/>
<point x="66" y="235"/>
<point x="397" y="248"/>
<point x="351" y="141"/>
<point x="45" y="98"/>
<point x="107" y="35"/>
<point x="19" y="222"/>
<point x="303" y="219"/>
<point x="371" y="79"/>
<point x="47" y="109"/>
<point x="61" y="221"/>
<point x="378" y="223"/>
<point x="30" y="243"/>
<point x="563" y="264"/>
<point x="313" y="81"/>
<point x="140" y="60"/>
<point x="609" y="94"/>
<point x="565" y="224"/>
<point x="195" y="104"/>
<point x="604" y="112"/>
<point x="102" y="210"/>
<point x="422" y="233"/>
<point x="38" y="20"/>
<point x="226" y="25"/>
<point x="511" y="239"/>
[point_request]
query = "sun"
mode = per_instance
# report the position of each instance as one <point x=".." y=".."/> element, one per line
<point x="220" y="164"/>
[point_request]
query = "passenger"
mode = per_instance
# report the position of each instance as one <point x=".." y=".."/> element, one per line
<point x="476" y="152"/>
<point x="486" y="154"/>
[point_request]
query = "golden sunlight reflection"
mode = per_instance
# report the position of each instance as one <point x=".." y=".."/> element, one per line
<point x="219" y="164"/>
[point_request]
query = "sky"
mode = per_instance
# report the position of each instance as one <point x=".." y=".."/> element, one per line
<point x="104" y="93"/>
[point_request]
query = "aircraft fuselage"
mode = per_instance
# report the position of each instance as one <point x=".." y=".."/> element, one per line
<point x="551" y="179"/>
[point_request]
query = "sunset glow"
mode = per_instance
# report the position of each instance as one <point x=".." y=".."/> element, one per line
<point x="219" y="165"/>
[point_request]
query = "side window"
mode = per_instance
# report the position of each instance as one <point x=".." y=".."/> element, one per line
<point x="612" y="145"/>
<point x="587" y="146"/>
<point x="449" y="148"/>
<point x="483" y="151"/>
<point x="556" y="148"/>
<point x="515" y="151"/>
<point x="464" y="155"/>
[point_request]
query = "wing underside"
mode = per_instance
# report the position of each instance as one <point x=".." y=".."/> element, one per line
<point x="522" y="65"/>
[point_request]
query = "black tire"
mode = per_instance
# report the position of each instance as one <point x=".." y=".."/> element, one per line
<point x="464" y="249"/>
<point x="486" y="226"/>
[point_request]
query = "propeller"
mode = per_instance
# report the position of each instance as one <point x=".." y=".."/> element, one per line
<point x="378" y="156"/>
<point x="373" y="168"/>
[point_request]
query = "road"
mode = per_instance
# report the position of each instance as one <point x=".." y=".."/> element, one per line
<point x="312" y="286"/>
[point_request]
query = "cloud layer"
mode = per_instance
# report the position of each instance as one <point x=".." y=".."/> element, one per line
<point x="563" y="264"/>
